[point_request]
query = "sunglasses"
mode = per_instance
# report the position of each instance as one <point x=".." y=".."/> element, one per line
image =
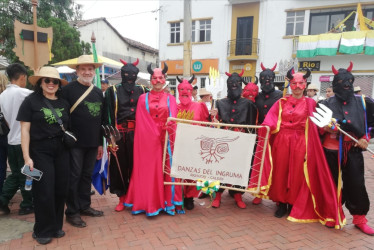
<point x="54" y="81"/>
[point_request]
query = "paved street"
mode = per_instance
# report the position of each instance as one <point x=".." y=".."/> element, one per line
<point x="202" y="228"/>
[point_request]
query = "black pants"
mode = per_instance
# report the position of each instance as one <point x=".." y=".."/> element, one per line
<point x="49" y="194"/>
<point x="354" y="192"/>
<point x="125" y="156"/>
<point x="82" y="163"/>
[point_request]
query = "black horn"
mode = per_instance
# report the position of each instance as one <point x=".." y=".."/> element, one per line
<point x="165" y="70"/>
<point x="149" y="68"/>
<point x="179" y="80"/>
<point x="289" y="74"/>
<point x="307" y="74"/>
<point x="192" y="78"/>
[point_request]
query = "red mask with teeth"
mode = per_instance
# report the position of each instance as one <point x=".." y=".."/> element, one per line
<point x="185" y="90"/>
<point x="250" y="91"/>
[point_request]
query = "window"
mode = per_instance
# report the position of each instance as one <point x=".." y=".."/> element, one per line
<point x="193" y="31"/>
<point x="205" y="29"/>
<point x="202" y="82"/>
<point x="295" y="23"/>
<point x="172" y="86"/>
<point x="175" y="31"/>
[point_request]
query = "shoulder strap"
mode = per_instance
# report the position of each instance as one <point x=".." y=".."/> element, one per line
<point x="58" y="119"/>
<point x="81" y="98"/>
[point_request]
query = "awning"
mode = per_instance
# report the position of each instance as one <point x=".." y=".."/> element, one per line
<point x="105" y="60"/>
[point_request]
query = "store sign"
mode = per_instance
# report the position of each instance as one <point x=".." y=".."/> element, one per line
<point x="312" y="65"/>
<point x="197" y="66"/>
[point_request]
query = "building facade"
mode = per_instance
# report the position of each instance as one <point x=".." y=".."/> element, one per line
<point x="245" y="33"/>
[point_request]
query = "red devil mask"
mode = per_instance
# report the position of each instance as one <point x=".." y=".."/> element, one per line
<point x="297" y="80"/>
<point x="157" y="75"/>
<point x="250" y="91"/>
<point x="185" y="90"/>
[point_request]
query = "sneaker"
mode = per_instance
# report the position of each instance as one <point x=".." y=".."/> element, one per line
<point x="75" y="221"/>
<point x="92" y="212"/>
<point x="26" y="210"/>
<point x="4" y="209"/>
<point x="42" y="241"/>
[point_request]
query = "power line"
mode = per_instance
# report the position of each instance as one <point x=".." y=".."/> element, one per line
<point x="150" y="11"/>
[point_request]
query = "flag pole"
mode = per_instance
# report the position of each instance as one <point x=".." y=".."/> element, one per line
<point x="94" y="53"/>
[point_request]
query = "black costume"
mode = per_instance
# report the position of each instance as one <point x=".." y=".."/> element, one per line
<point x="49" y="156"/>
<point x="119" y="111"/>
<point x="268" y="95"/>
<point x="356" y="119"/>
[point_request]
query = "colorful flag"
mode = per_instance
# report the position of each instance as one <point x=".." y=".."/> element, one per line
<point x="369" y="45"/>
<point x="307" y="46"/>
<point x="100" y="173"/>
<point x="352" y="42"/>
<point x="359" y="23"/>
<point x="328" y="44"/>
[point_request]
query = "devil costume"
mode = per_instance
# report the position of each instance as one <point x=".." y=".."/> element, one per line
<point x="250" y="90"/>
<point x="119" y="111"/>
<point x="147" y="192"/>
<point x="235" y="110"/>
<point x="190" y="110"/>
<point x="355" y="114"/>
<point x="268" y="95"/>
<point x="295" y="171"/>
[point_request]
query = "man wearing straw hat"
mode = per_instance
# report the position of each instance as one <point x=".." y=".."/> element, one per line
<point x="86" y="102"/>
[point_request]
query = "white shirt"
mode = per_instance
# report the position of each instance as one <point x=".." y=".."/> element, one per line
<point x="10" y="101"/>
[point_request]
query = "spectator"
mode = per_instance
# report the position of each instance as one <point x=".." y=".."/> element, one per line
<point x="86" y="120"/>
<point x="3" y="139"/>
<point x="104" y="85"/>
<point x="311" y="91"/>
<point x="43" y="149"/>
<point x="329" y="92"/>
<point x="206" y="97"/>
<point x="357" y="90"/>
<point x="10" y="101"/>
<point x="194" y="93"/>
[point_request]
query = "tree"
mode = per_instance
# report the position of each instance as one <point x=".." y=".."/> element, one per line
<point x="55" y="13"/>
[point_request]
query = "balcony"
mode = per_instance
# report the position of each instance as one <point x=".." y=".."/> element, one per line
<point x="246" y="48"/>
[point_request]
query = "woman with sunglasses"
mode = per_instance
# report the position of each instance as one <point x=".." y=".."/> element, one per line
<point x="41" y="141"/>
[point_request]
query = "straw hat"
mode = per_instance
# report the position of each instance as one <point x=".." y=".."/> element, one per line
<point x="356" y="89"/>
<point x="312" y="86"/>
<point x="203" y="92"/>
<point x="45" y="72"/>
<point x="85" y="59"/>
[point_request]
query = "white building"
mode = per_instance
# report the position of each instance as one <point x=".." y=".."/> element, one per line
<point x="244" y="33"/>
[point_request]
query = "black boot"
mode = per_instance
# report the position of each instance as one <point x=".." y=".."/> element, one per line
<point x="188" y="203"/>
<point x="281" y="211"/>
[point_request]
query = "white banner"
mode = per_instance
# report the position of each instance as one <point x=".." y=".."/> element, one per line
<point x="212" y="154"/>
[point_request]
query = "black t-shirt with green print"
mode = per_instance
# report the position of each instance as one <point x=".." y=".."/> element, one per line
<point x="86" y="119"/>
<point x="43" y="123"/>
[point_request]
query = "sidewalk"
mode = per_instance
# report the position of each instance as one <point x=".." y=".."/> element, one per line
<point x="202" y="228"/>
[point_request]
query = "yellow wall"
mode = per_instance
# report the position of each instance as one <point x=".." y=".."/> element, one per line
<point x="243" y="10"/>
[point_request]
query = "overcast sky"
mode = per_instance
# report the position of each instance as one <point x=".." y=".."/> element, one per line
<point x="134" y="19"/>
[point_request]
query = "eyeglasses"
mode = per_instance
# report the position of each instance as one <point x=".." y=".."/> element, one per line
<point x="54" y="81"/>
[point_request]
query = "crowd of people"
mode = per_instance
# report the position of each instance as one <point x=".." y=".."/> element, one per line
<point x="308" y="171"/>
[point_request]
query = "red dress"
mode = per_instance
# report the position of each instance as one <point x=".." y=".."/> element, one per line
<point x="201" y="113"/>
<point x="295" y="169"/>
<point x="147" y="192"/>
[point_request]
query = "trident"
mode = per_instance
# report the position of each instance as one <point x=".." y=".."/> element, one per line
<point x="323" y="118"/>
<point x="215" y="85"/>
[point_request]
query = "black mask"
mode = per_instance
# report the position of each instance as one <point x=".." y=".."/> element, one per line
<point x="234" y="86"/>
<point x="129" y="72"/>
<point x="342" y="85"/>
<point x="267" y="81"/>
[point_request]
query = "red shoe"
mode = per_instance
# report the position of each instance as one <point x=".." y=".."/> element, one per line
<point x="217" y="201"/>
<point x="256" y="201"/>
<point x="239" y="201"/>
<point x="360" y="222"/>
<point x="120" y="205"/>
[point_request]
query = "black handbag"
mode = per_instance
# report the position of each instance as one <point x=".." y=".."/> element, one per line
<point x="68" y="138"/>
<point x="4" y="128"/>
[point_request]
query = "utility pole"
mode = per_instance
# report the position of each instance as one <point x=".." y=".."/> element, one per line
<point x="187" y="51"/>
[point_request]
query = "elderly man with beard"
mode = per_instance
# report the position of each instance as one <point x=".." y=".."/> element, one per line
<point x="86" y="102"/>
<point x="235" y="110"/>
<point x="355" y="115"/>
<point x="196" y="111"/>
<point x="119" y="111"/>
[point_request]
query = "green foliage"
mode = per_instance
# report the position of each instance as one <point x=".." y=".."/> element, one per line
<point x="55" y="13"/>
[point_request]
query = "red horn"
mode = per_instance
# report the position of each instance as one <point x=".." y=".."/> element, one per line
<point x="136" y="62"/>
<point x="263" y="67"/>
<point x="228" y="74"/>
<point x="241" y="73"/>
<point x="273" y="68"/>
<point x="122" y="61"/>
<point x="350" y="66"/>
<point x="334" y="70"/>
